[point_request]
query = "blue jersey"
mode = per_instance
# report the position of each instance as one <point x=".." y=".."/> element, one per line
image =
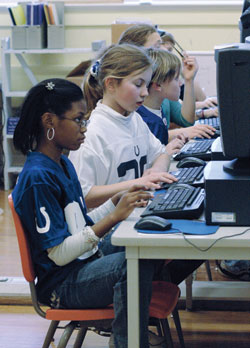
<point x="155" y="124"/>
<point x="45" y="197"/>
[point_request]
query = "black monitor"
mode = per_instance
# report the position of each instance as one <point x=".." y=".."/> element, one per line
<point x="246" y="4"/>
<point x="244" y="23"/>
<point x="233" y="92"/>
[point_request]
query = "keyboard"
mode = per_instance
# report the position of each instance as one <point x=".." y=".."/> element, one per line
<point x="180" y="201"/>
<point x="192" y="176"/>
<point x="211" y="121"/>
<point x="198" y="148"/>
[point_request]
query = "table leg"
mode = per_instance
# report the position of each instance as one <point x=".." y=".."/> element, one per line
<point x="133" y="302"/>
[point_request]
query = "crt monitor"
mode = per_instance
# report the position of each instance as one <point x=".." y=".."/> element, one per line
<point x="233" y="92"/>
<point x="244" y="23"/>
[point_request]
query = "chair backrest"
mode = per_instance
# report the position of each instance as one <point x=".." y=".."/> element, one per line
<point x="24" y="249"/>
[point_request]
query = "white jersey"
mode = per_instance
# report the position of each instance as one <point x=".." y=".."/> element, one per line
<point x="116" y="149"/>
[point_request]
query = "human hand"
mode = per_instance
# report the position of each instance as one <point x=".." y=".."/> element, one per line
<point x="209" y="102"/>
<point x="211" y="112"/>
<point x="190" y="67"/>
<point x="175" y="145"/>
<point x="152" y="178"/>
<point x="136" y="196"/>
<point x="200" y="131"/>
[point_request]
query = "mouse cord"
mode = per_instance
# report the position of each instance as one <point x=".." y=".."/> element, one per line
<point x="212" y="244"/>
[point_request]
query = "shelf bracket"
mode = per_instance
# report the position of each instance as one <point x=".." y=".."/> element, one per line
<point x="26" y="69"/>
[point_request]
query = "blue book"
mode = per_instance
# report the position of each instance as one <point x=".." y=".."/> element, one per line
<point x="29" y="14"/>
<point x="36" y="14"/>
<point x="40" y="14"/>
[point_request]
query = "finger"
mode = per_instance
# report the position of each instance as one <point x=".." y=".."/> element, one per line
<point x="138" y="187"/>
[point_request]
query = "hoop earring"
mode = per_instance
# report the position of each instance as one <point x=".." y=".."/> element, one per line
<point x="52" y="135"/>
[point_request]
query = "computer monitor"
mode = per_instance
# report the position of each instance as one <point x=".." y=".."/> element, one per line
<point x="244" y="23"/>
<point x="233" y="92"/>
<point x="246" y="4"/>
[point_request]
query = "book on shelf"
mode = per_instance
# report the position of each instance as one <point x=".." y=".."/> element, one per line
<point x="35" y="14"/>
<point x="51" y="14"/>
<point x="11" y="16"/>
<point x="46" y="13"/>
<point x="17" y="15"/>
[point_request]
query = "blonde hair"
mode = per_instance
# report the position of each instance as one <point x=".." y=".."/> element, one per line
<point x="117" y="61"/>
<point x="137" y="34"/>
<point x="166" y="65"/>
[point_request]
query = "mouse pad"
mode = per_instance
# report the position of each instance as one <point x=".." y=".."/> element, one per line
<point x="187" y="227"/>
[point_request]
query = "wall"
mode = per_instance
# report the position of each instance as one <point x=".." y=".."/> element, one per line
<point x="196" y="28"/>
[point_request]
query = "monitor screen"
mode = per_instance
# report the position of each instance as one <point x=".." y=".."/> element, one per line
<point x="233" y="92"/>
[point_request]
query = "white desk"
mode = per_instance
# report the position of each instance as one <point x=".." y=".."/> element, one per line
<point x="170" y="246"/>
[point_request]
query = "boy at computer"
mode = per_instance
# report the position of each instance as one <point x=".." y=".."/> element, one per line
<point x="165" y="84"/>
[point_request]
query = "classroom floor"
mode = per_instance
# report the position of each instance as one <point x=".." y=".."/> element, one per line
<point x="21" y="327"/>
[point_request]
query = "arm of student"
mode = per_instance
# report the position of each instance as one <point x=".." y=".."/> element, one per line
<point x="151" y="178"/>
<point x="75" y="245"/>
<point x="190" y="67"/>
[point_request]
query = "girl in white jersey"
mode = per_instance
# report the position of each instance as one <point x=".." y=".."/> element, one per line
<point x="119" y="149"/>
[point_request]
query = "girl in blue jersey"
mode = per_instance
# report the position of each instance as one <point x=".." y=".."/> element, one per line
<point x="65" y="241"/>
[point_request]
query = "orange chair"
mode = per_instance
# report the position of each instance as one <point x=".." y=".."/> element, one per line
<point x="164" y="300"/>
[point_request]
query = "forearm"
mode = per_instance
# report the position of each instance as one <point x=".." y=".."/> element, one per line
<point x="162" y="163"/>
<point x="188" y="105"/>
<point x="172" y="133"/>
<point x="104" y="209"/>
<point x="73" y="246"/>
<point x="98" y="194"/>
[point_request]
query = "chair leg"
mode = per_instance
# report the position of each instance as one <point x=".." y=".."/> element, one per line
<point x="178" y="327"/>
<point x="66" y="334"/>
<point x="167" y="332"/>
<point x="209" y="274"/>
<point x="50" y="333"/>
<point x="189" y="299"/>
<point x="80" y="337"/>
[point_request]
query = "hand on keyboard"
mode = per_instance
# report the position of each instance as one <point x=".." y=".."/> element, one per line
<point x="180" y="201"/>
<point x="199" y="131"/>
<point x="153" y="179"/>
<point x="175" y="145"/>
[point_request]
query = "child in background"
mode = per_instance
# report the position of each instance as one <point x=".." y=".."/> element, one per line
<point x="209" y="104"/>
<point x="66" y="242"/>
<point x="182" y="114"/>
<point x="165" y="84"/>
<point x="119" y="149"/>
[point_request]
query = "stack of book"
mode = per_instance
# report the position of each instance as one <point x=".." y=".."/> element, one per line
<point x="34" y="14"/>
<point x="37" y="25"/>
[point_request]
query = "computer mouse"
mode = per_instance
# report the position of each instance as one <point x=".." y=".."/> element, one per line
<point x="154" y="223"/>
<point x="188" y="162"/>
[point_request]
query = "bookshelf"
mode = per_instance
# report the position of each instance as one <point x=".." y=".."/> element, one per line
<point x="13" y="161"/>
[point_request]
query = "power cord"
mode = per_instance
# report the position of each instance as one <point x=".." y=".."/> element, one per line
<point x="212" y="244"/>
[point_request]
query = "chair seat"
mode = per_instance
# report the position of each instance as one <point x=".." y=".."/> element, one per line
<point x="164" y="299"/>
<point x="80" y="314"/>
